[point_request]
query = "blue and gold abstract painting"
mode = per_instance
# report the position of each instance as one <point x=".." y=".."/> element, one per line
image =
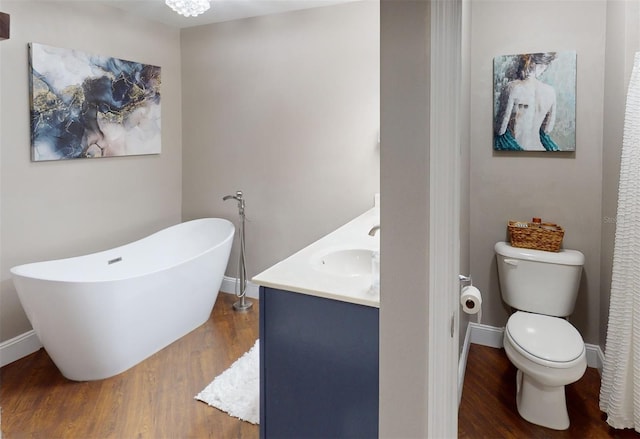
<point x="85" y="105"/>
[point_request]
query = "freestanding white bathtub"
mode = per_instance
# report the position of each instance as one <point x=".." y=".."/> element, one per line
<point x="100" y="314"/>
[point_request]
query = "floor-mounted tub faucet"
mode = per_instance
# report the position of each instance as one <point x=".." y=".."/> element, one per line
<point x="374" y="230"/>
<point x="241" y="283"/>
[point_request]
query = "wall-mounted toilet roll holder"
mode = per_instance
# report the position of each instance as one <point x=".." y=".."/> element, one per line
<point x="466" y="281"/>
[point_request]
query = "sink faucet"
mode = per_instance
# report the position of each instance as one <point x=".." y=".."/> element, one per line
<point x="374" y="230"/>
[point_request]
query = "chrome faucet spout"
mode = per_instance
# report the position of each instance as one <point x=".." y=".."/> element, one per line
<point x="374" y="230"/>
<point x="238" y="197"/>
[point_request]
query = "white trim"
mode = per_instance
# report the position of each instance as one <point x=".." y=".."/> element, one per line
<point x="229" y="286"/>
<point x="486" y="335"/>
<point x="462" y="362"/>
<point x="444" y="216"/>
<point x="19" y="347"/>
<point x="595" y="357"/>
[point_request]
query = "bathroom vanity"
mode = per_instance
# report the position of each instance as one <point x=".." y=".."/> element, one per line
<point x="319" y="325"/>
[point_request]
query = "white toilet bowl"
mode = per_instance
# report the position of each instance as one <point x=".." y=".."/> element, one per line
<point x="549" y="353"/>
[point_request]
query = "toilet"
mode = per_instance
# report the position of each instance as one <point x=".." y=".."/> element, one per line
<point x="541" y="287"/>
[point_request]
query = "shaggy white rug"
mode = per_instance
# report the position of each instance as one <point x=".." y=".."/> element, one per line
<point x="237" y="389"/>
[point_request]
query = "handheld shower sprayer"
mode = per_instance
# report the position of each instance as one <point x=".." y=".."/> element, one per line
<point x="241" y="282"/>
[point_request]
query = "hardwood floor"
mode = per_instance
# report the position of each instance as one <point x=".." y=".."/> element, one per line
<point x="488" y="408"/>
<point x="154" y="399"/>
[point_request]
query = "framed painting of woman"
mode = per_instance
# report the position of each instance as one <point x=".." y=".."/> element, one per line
<point x="534" y="102"/>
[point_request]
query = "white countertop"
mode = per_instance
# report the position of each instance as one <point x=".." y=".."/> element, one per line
<point x="301" y="272"/>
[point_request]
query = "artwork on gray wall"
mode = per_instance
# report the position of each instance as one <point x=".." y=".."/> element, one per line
<point x="85" y="105"/>
<point x="534" y="102"/>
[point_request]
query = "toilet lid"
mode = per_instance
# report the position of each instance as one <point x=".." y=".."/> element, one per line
<point x="549" y="338"/>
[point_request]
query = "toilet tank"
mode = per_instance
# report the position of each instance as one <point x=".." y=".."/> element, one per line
<point x="539" y="281"/>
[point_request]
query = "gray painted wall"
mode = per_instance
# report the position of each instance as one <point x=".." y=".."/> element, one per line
<point x="65" y="208"/>
<point x="286" y="108"/>
<point x="567" y="188"/>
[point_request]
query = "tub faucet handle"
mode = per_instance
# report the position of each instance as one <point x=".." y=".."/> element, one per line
<point x="374" y="230"/>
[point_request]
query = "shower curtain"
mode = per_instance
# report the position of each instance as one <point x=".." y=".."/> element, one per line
<point x="620" y="388"/>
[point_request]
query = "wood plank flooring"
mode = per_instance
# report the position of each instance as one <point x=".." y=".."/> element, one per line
<point x="488" y="408"/>
<point x="154" y="399"/>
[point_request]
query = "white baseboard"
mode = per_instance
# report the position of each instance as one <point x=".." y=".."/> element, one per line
<point x="462" y="362"/>
<point x="28" y="343"/>
<point x="229" y="286"/>
<point x="492" y="336"/>
<point x="486" y="335"/>
<point x="595" y="356"/>
<point x="18" y="347"/>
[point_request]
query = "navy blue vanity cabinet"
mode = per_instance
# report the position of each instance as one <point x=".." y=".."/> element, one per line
<point x="318" y="367"/>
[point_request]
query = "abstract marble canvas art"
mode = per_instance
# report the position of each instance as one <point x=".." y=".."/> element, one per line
<point x="85" y="105"/>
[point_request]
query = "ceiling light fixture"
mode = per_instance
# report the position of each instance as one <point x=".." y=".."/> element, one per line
<point x="188" y="8"/>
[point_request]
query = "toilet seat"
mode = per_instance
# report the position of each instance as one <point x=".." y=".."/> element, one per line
<point x="546" y="340"/>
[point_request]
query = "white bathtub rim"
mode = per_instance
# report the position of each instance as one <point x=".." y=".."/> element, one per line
<point x="15" y="270"/>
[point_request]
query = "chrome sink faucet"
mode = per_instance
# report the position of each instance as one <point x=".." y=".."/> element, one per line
<point x="374" y="230"/>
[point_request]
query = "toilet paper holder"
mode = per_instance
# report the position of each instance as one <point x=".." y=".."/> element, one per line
<point x="465" y="281"/>
<point x="470" y="305"/>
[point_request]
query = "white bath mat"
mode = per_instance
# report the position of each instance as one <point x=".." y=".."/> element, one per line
<point x="237" y="389"/>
